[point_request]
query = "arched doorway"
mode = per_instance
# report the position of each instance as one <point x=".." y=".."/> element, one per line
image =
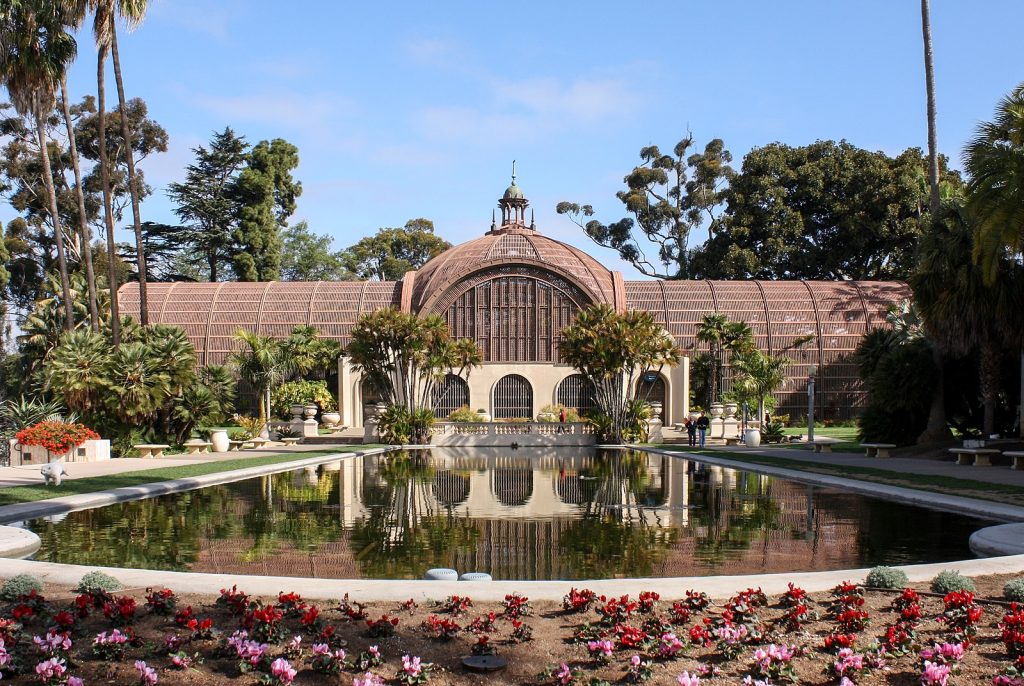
<point x="512" y="398"/>
<point x="652" y="389"/>
<point x="578" y="392"/>
<point x="449" y="395"/>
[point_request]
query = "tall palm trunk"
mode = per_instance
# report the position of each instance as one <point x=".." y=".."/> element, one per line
<point x="58" y="232"/>
<point x="83" y="224"/>
<point x="108" y="207"/>
<point x="937" y="429"/>
<point x="133" y="188"/>
<point x="989" y="377"/>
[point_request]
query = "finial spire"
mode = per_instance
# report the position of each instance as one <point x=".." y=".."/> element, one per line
<point x="513" y="172"/>
<point x="493" y="225"/>
<point x="533" y="224"/>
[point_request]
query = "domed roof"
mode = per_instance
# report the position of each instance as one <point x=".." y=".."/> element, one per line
<point x="507" y="247"/>
<point x="513" y="192"/>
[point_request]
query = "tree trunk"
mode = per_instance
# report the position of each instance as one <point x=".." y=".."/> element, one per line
<point x="929" y="75"/>
<point x="937" y="430"/>
<point x="989" y="377"/>
<point x="83" y="224"/>
<point x="108" y="206"/>
<point x="133" y="188"/>
<point x="58" y="232"/>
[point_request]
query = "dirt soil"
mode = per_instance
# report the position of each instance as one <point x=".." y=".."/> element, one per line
<point x="552" y="643"/>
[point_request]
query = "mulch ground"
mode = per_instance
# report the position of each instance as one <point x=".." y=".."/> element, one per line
<point x="552" y="643"/>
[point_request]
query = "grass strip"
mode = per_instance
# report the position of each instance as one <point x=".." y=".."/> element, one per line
<point x="1002" y="493"/>
<point x="24" y="494"/>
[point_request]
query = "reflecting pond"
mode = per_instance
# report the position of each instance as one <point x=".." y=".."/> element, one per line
<point x="517" y="514"/>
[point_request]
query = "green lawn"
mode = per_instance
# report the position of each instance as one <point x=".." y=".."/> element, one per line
<point x="847" y="434"/>
<point x="24" y="494"/>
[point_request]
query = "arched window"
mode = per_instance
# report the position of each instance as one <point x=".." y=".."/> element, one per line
<point x="577" y="391"/>
<point x="652" y="389"/>
<point x="513" y="398"/>
<point x="449" y="395"/>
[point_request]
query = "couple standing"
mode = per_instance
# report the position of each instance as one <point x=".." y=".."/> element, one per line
<point x="698" y="426"/>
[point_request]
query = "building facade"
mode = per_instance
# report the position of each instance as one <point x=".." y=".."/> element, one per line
<point x="513" y="290"/>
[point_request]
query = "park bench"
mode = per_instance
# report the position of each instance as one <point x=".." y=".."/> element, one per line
<point x="238" y="445"/>
<point x="1018" y="459"/>
<point x="979" y="457"/>
<point x="291" y="441"/>
<point x="733" y="440"/>
<point x="258" y="442"/>
<point x="197" y="447"/>
<point x="824" y="444"/>
<point x="877" y="449"/>
<point x="151" y="449"/>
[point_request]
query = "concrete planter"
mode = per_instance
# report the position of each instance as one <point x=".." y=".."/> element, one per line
<point x="220" y="441"/>
<point x="91" y="451"/>
<point x="752" y="438"/>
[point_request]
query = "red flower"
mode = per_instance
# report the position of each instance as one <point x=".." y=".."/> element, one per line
<point x="21" y="612"/>
<point x="57" y="437"/>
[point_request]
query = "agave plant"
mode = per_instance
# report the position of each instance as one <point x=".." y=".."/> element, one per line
<point x="21" y="413"/>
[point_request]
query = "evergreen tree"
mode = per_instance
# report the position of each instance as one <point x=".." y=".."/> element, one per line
<point x="308" y="257"/>
<point x="265" y="194"/>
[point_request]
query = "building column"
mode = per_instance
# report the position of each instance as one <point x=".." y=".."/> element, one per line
<point x="678" y="392"/>
<point x="347" y="378"/>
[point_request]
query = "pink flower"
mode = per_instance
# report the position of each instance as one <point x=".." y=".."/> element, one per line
<point x="687" y="679"/>
<point x="295" y="644"/>
<point x="283" y="670"/>
<point x="604" y="647"/>
<point x="564" y="674"/>
<point x="935" y="674"/>
<point x="147" y="675"/>
<point x="54" y="668"/>
<point x="411" y="666"/>
<point x="368" y="679"/>
<point x="75" y="681"/>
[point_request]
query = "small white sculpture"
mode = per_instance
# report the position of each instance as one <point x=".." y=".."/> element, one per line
<point x="53" y="473"/>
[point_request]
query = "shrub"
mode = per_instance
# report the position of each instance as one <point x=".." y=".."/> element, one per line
<point x="464" y="414"/>
<point x="238" y="435"/>
<point x="1014" y="590"/>
<point x="887" y="577"/>
<point x="251" y="425"/>
<point x="949" y="580"/>
<point x="303" y="393"/>
<point x="98" y="581"/>
<point x="56" y="436"/>
<point x="571" y="415"/>
<point x="20" y="585"/>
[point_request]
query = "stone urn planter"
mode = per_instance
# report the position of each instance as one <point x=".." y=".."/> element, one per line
<point x="331" y="419"/>
<point x="694" y="416"/>
<point x="730" y="410"/>
<point x="310" y="411"/>
<point x="717" y="410"/>
<point x="297" y="410"/>
<point x="219" y="439"/>
<point x="752" y="438"/>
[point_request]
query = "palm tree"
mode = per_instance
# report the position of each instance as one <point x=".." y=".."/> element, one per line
<point x="138" y="384"/>
<point x="962" y="312"/>
<point x="132" y="11"/>
<point x="929" y="76"/>
<point x="263" y="363"/>
<point x="760" y="375"/>
<point x="35" y="50"/>
<point x="711" y="330"/>
<point x="78" y="370"/>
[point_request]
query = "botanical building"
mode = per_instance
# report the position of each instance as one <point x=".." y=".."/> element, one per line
<point x="513" y="290"/>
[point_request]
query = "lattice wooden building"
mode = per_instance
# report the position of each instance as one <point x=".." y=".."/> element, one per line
<point x="513" y="290"/>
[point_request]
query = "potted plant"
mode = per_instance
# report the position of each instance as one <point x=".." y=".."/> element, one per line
<point x="483" y="415"/>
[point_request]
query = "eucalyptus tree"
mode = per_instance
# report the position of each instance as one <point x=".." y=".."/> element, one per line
<point x="614" y="351"/>
<point x="35" y="51"/>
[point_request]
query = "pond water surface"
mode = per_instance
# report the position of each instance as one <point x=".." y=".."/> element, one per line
<point x="525" y="514"/>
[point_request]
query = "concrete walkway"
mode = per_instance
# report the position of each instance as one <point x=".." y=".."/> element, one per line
<point x="29" y="475"/>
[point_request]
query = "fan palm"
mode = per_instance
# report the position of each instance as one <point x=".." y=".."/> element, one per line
<point x="711" y="330"/>
<point x="219" y="380"/>
<point x="77" y="370"/>
<point x="994" y="159"/>
<point x="35" y="50"/>
<point x="760" y="375"/>
<point x="138" y="385"/>
<point x="263" y="363"/>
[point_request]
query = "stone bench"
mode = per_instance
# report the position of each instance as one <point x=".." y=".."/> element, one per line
<point x="290" y="441"/>
<point x="877" y="449"/>
<point x="824" y="445"/>
<point x="258" y="442"/>
<point x="197" y="447"/>
<point x="979" y="457"/>
<point x="1018" y="459"/>
<point x="733" y="440"/>
<point x="151" y="449"/>
<point x="238" y="445"/>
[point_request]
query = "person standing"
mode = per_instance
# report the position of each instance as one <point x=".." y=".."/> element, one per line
<point x="703" y="424"/>
<point x="561" y="420"/>
<point x="691" y="432"/>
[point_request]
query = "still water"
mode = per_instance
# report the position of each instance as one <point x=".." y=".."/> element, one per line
<point x="526" y="514"/>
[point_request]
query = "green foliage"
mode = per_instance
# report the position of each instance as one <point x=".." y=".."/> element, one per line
<point x="97" y="581"/>
<point x="614" y="351"/>
<point x="887" y="577"/>
<point x="571" y="415"/>
<point x="396" y="425"/>
<point x="725" y="340"/>
<point x="252" y="426"/>
<point x="773" y="432"/>
<point x="822" y="211"/>
<point x="758" y="376"/>
<point x="1014" y="590"/>
<point x="308" y="257"/>
<point x="287" y="432"/>
<point x="239" y="435"/>
<point x="20" y="585"/>
<point x="668" y="196"/>
<point x="21" y="413"/>
<point x="390" y="253"/>
<point x="898" y="376"/>
<point x="301" y="392"/>
<point x="949" y="580"/>
<point x="464" y="414"/>
<point x="265" y="194"/>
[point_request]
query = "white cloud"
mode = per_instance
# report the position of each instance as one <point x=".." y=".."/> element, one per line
<point x="317" y="114"/>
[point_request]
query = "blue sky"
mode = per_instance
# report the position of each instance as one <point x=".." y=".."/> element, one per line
<point x="402" y="110"/>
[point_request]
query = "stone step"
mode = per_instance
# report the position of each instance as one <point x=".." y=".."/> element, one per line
<point x="332" y="440"/>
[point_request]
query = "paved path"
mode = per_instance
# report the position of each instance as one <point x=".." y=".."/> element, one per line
<point x="904" y="465"/>
<point x="28" y="475"/>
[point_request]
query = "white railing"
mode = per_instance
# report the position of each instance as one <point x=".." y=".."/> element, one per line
<point x="506" y="433"/>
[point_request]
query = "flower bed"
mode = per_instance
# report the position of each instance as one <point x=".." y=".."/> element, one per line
<point x="57" y="437"/>
<point x="847" y="637"/>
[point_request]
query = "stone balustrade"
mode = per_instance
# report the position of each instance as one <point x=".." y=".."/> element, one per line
<point x="507" y="433"/>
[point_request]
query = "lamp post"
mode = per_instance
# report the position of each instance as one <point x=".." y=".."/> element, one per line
<point x="810" y="404"/>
